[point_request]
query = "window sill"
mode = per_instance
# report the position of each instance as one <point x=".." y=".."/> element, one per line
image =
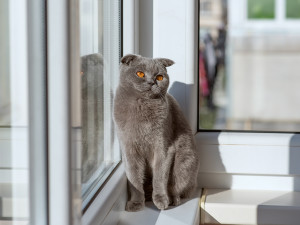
<point x="223" y="206"/>
<point x="102" y="205"/>
<point x="108" y="207"/>
<point x="188" y="213"/>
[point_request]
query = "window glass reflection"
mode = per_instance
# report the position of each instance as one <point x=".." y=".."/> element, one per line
<point x="100" y="54"/>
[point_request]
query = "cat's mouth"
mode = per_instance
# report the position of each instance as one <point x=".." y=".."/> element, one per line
<point x="155" y="89"/>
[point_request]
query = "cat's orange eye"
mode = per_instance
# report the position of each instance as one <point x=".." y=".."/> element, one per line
<point x="140" y="74"/>
<point x="159" y="77"/>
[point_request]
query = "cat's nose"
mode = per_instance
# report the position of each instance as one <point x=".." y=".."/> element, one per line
<point x="150" y="81"/>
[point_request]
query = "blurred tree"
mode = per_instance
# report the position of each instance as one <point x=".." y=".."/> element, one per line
<point x="261" y="9"/>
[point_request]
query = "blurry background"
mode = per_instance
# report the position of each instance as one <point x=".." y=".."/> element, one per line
<point x="249" y="63"/>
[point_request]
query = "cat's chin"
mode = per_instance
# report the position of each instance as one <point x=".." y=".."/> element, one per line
<point x="156" y="90"/>
<point x="152" y="95"/>
<point x="152" y="92"/>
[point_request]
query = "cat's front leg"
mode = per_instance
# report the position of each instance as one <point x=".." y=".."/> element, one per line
<point x="137" y="199"/>
<point x="161" y="170"/>
<point x="135" y="170"/>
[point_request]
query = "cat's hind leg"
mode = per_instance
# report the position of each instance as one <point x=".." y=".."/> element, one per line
<point x="184" y="174"/>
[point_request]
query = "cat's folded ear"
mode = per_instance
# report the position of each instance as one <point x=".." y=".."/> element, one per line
<point x="129" y="58"/>
<point x="165" y="62"/>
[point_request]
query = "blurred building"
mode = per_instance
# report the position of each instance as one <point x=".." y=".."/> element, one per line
<point x="212" y="16"/>
<point x="264" y="61"/>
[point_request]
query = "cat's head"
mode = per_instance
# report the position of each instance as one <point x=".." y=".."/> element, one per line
<point x="145" y="76"/>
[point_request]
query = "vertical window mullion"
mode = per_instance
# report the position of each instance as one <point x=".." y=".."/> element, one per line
<point x="106" y="78"/>
<point x="37" y="112"/>
<point x="280" y="11"/>
<point x="62" y="61"/>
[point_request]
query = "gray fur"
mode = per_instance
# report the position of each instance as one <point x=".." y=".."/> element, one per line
<point x="157" y="143"/>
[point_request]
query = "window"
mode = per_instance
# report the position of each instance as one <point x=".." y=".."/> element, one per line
<point x="100" y="54"/>
<point x="39" y="181"/>
<point x="14" y="130"/>
<point x="14" y="127"/>
<point x="205" y="7"/>
<point x="23" y="176"/>
<point x="292" y="9"/>
<point x="261" y="9"/>
<point x="248" y="71"/>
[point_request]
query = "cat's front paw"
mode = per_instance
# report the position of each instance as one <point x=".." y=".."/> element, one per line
<point x="176" y="200"/>
<point x="161" y="201"/>
<point x="134" y="206"/>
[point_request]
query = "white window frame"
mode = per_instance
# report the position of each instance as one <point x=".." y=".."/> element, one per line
<point x="37" y="76"/>
<point x="64" y="196"/>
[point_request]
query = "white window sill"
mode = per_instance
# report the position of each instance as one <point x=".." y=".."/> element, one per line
<point x="109" y="207"/>
<point x="188" y="213"/>
<point x="223" y="206"/>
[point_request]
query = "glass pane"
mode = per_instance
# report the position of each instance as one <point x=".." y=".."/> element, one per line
<point x="14" y="168"/>
<point x="261" y="9"/>
<point x="249" y="77"/>
<point x="100" y="54"/>
<point x="292" y="9"/>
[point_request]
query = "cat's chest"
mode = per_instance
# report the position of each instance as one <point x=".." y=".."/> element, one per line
<point x="145" y="116"/>
<point x="153" y="110"/>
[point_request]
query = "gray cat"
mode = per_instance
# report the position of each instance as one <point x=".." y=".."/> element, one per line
<point x="157" y="143"/>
